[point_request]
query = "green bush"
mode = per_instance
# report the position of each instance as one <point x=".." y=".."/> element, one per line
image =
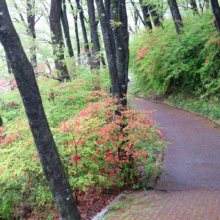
<point x="166" y="63"/>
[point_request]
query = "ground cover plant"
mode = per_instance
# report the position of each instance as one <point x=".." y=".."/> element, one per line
<point x="80" y="115"/>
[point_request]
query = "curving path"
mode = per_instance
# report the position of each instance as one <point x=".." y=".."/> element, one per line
<point x="189" y="186"/>
<point x="192" y="161"/>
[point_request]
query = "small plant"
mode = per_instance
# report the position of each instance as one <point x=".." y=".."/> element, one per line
<point x="117" y="206"/>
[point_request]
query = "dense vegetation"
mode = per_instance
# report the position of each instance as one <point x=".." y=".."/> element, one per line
<point x="184" y="68"/>
<point x="80" y="116"/>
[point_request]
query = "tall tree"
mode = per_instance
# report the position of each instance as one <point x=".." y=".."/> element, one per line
<point x="176" y="15"/>
<point x="75" y="16"/>
<point x="1" y="121"/>
<point x="109" y="48"/>
<point x="146" y="14"/>
<point x="138" y="13"/>
<point x="108" y="16"/>
<point x="66" y="31"/>
<point x="154" y="15"/>
<point x="95" y="61"/>
<point x="194" y="6"/>
<point x="57" y="39"/>
<point x="216" y="11"/>
<point x="25" y="78"/>
<point x="81" y="16"/>
<point x="8" y="64"/>
<point x="31" y="30"/>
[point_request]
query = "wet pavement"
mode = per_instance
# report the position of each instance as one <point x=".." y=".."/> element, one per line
<point x="189" y="185"/>
<point x="192" y="161"/>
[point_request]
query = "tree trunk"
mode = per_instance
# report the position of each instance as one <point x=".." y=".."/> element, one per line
<point x="154" y="15"/>
<point x="1" y="122"/>
<point x="8" y="64"/>
<point x="95" y="60"/>
<point x="138" y="13"/>
<point x="108" y="16"/>
<point x="104" y="21"/>
<point x="31" y="30"/>
<point x="76" y="30"/>
<point x="66" y="29"/>
<point x="146" y="15"/>
<point x="57" y="39"/>
<point x="124" y="37"/>
<point x="24" y="75"/>
<point x="194" y="6"/>
<point x="86" y="43"/>
<point x="176" y="15"/>
<point x="216" y="11"/>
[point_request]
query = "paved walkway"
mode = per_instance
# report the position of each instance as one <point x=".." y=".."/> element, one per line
<point x="189" y="186"/>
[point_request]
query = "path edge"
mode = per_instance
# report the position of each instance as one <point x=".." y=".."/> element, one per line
<point x="155" y="174"/>
<point x="181" y="108"/>
<point x="102" y="213"/>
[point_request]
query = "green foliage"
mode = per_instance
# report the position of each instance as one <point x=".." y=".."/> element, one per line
<point x="164" y="62"/>
<point x="80" y="114"/>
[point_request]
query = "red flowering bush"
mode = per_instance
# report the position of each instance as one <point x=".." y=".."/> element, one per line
<point x="99" y="152"/>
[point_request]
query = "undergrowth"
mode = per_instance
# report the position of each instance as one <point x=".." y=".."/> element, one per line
<point x="96" y="152"/>
<point x="164" y="63"/>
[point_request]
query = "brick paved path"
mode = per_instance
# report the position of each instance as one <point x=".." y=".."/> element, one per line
<point x="189" y="186"/>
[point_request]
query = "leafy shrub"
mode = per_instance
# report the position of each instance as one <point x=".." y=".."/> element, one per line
<point x="164" y="62"/>
<point x="87" y="139"/>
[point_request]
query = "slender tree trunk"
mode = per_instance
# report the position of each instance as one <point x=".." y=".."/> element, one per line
<point x="1" y="122"/>
<point x="95" y="60"/>
<point x="104" y="21"/>
<point x="24" y="75"/>
<point x="154" y="15"/>
<point x="216" y="11"/>
<point x="138" y="13"/>
<point x="57" y="39"/>
<point x="86" y="43"/>
<point x="146" y="14"/>
<point x="66" y="29"/>
<point x="194" y="6"/>
<point x="76" y="30"/>
<point x="31" y="30"/>
<point x="176" y="15"/>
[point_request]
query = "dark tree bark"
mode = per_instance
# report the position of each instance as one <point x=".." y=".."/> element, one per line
<point x="194" y="6"/>
<point x="216" y="11"/>
<point x="76" y="30"/>
<point x="95" y="60"/>
<point x="108" y="16"/>
<point x="124" y="38"/>
<point x="154" y="15"/>
<point x="24" y="75"/>
<point x="57" y="39"/>
<point x="146" y="14"/>
<point x="138" y="13"/>
<point x="66" y="31"/>
<point x="176" y="15"/>
<point x="8" y="64"/>
<point x="104" y="21"/>
<point x="86" y="43"/>
<point x="1" y="122"/>
<point x="31" y="30"/>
